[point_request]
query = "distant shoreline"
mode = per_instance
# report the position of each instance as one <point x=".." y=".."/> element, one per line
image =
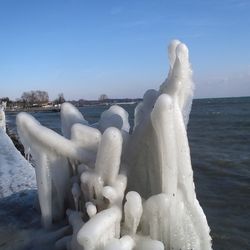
<point x="57" y="109"/>
<point x="227" y="97"/>
<point x="107" y="102"/>
<point x="36" y="109"/>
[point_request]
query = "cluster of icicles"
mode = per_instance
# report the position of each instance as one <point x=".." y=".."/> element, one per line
<point x="122" y="188"/>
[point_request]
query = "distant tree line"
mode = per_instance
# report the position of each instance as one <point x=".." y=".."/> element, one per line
<point x="33" y="98"/>
<point x="60" y="99"/>
<point x="82" y="102"/>
<point x="103" y="97"/>
<point x="38" y="98"/>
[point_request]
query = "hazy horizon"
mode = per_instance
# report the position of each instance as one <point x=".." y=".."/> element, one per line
<point x="86" y="48"/>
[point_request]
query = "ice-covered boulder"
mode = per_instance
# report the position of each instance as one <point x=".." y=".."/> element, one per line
<point x="2" y="116"/>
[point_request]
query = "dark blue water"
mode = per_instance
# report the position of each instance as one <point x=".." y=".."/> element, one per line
<point x="219" y="136"/>
<point x="219" y="133"/>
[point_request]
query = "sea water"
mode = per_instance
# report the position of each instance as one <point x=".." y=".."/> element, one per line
<point x="219" y="137"/>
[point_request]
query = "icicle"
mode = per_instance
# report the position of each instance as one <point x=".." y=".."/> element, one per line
<point x="91" y="209"/>
<point x="100" y="229"/>
<point x="69" y="116"/>
<point x="75" y="220"/>
<point x="76" y="192"/>
<point x="109" y="155"/>
<point x="132" y="212"/>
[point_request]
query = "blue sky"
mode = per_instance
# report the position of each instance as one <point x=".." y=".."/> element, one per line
<point x="86" y="48"/>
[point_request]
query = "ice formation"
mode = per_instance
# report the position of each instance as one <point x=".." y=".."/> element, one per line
<point x="123" y="190"/>
<point x="2" y="116"/>
<point x="16" y="174"/>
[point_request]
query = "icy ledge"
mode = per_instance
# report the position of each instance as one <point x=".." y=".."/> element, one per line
<point x="123" y="190"/>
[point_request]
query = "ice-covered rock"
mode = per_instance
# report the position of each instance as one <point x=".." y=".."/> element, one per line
<point x="2" y="116"/>
<point x="129" y="191"/>
<point x="16" y="174"/>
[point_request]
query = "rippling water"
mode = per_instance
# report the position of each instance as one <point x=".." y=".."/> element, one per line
<point x="219" y="136"/>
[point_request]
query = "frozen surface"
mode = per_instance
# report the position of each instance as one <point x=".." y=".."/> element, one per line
<point x="2" y="117"/>
<point x="16" y="174"/>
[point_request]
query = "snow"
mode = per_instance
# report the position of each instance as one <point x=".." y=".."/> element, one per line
<point x="16" y="174"/>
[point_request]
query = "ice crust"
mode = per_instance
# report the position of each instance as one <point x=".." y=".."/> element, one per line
<point x="16" y="174"/>
<point x="125" y="190"/>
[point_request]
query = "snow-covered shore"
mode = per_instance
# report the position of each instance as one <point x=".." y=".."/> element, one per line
<point x="20" y="227"/>
<point x="17" y="196"/>
<point x="16" y="174"/>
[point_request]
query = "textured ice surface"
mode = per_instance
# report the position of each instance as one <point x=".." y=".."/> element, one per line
<point x="16" y="174"/>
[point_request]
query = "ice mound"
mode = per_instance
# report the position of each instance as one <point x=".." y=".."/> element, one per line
<point x="16" y="174"/>
<point x="123" y="190"/>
